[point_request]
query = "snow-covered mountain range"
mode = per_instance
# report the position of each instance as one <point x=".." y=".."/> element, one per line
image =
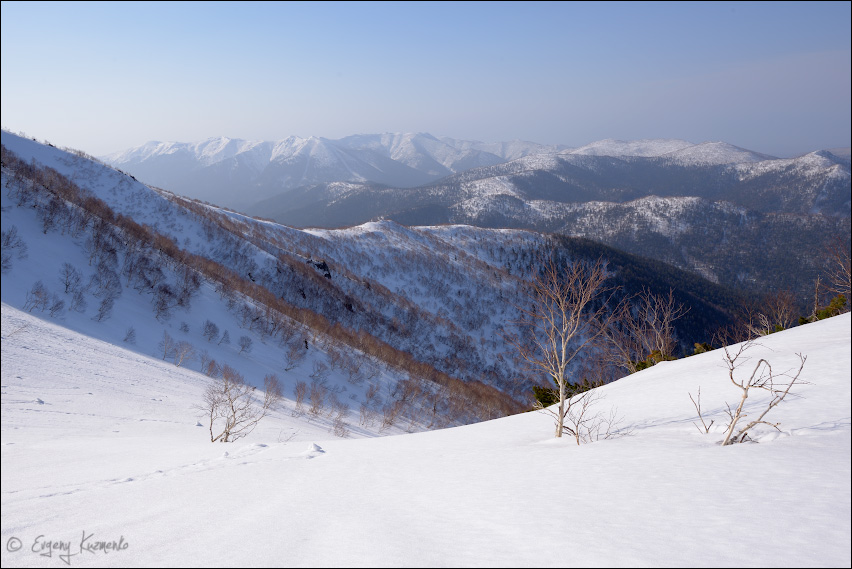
<point x="238" y="173"/>
<point x="731" y="215"/>
<point x="691" y="205"/>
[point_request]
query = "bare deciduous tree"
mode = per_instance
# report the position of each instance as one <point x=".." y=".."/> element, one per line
<point x="167" y="344"/>
<point x="212" y="368"/>
<point x="57" y="305"/>
<point x="38" y="297"/>
<point x="183" y="351"/>
<point x="781" y="310"/>
<point x="300" y="391"/>
<point x="839" y="268"/>
<point x="339" y="411"/>
<point x="234" y="407"/>
<point x="78" y="301"/>
<point x="776" y="312"/>
<point x="565" y="314"/>
<point x="204" y="359"/>
<point x="320" y="372"/>
<point x="210" y="331"/>
<point x="11" y="243"/>
<point x="366" y="414"/>
<point x="390" y="413"/>
<point x="317" y="398"/>
<point x="105" y="307"/>
<point x="295" y="354"/>
<point x="643" y="330"/>
<point x="164" y="300"/>
<point x="245" y="344"/>
<point x="70" y="278"/>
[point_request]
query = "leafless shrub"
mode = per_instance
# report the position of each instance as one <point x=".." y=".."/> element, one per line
<point x="762" y="377"/>
<point x="212" y="369"/>
<point x="37" y="298"/>
<point x="57" y="305"/>
<point x="334" y="357"/>
<point x="233" y="406"/>
<point x="320" y="373"/>
<point x="339" y="412"/>
<point x="105" y="308"/>
<point x="210" y="331"/>
<point x="167" y="345"/>
<point x="295" y="354"/>
<point x="78" y="302"/>
<point x="391" y="411"/>
<point x="203" y="359"/>
<point x="300" y="391"/>
<point x="352" y="366"/>
<point x="339" y="427"/>
<point x="583" y="421"/>
<point x="366" y="415"/>
<point x="288" y="438"/>
<point x="130" y="335"/>
<point x="697" y="405"/>
<point x="245" y="344"/>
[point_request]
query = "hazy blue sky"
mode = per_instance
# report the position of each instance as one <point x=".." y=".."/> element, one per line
<point x="100" y="77"/>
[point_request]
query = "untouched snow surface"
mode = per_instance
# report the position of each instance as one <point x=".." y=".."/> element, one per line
<point x="100" y="446"/>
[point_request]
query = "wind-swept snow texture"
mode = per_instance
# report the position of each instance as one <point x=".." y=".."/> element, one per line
<point x="100" y="447"/>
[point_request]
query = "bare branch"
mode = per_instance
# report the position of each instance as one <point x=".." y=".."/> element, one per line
<point x="762" y="377"/>
<point x="698" y="409"/>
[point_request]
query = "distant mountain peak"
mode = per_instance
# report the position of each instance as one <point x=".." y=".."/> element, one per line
<point x="716" y="153"/>
<point x="643" y="148"/>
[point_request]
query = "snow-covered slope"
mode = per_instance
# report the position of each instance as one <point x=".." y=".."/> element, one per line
<point x="100" y="446"/>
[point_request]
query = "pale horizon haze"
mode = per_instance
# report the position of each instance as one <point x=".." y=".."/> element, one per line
<point x="773" y="77"/>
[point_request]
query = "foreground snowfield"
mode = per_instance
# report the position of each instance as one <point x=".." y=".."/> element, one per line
<point x="100" y="444"/>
